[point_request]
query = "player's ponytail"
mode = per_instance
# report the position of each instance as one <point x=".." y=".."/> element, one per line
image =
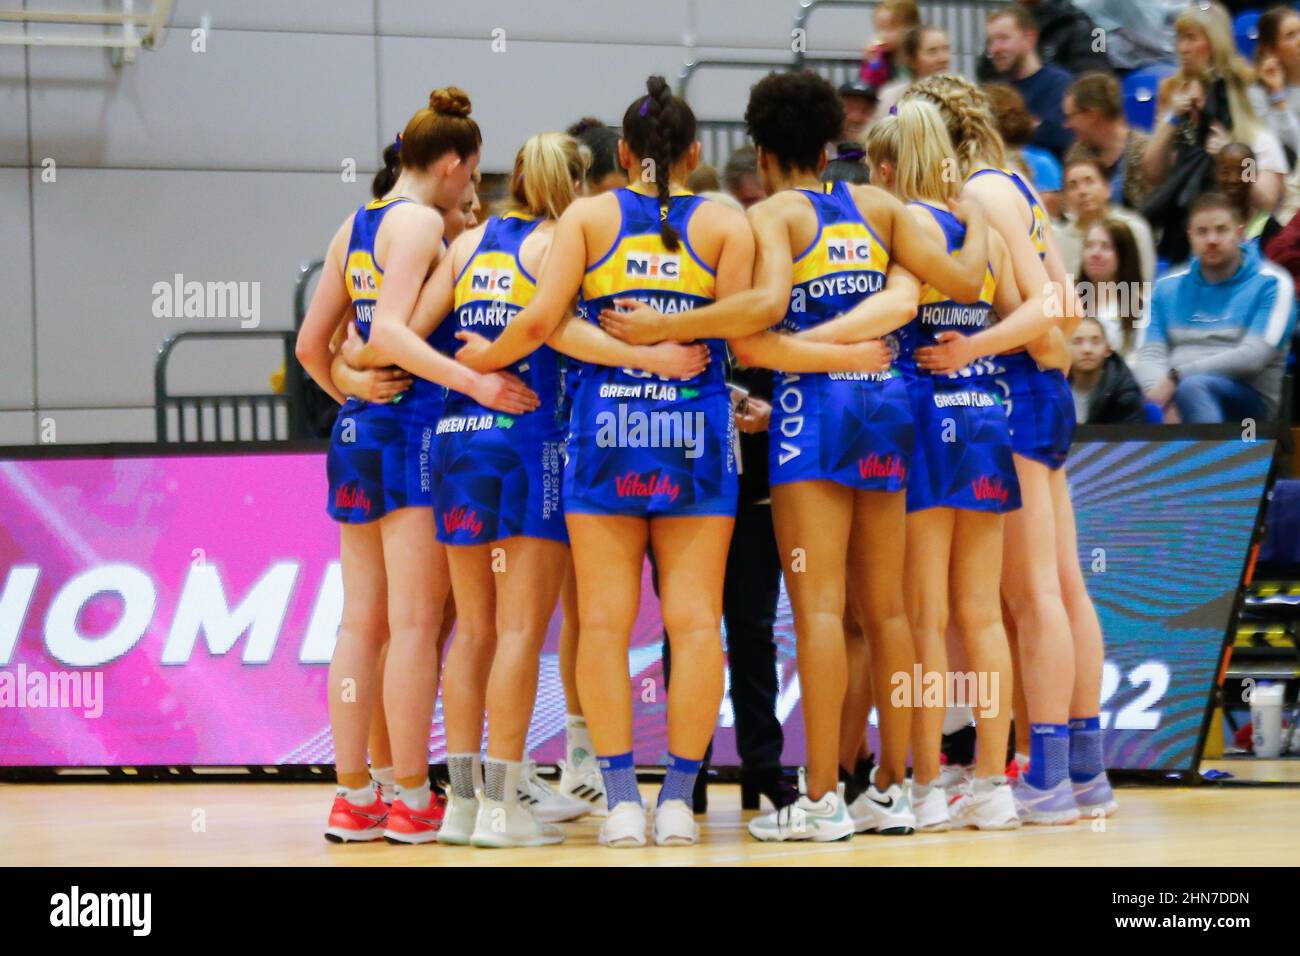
<point x="926" y="166"/>
<point x="548" y="175"/>
<point x="387" y="176"/>
<point x="660" y="127"/>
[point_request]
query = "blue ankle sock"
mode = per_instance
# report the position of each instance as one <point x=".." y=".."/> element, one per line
<point x="619" y="774"/>
<point x="1049" y="755"/>
<point x="1085" y="749"/>
<point x="679" y="780"/>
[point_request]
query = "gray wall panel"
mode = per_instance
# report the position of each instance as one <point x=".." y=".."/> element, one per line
<point x="253" y="100"/>
<point x="16" y="279"/>
<point x="97" y="334"/>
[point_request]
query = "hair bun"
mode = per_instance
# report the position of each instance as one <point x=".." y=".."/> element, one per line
<point x="450" y="101"/>
<point x="657" y="86"/>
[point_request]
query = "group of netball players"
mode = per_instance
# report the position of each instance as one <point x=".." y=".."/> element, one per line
<point x="532" y="403"/>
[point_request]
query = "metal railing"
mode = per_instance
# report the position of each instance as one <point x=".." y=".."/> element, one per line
<point x="963" y="20"/>
<point x="254" y="416"/>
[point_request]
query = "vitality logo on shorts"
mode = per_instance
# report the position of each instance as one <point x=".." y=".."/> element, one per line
<point x="653" y="265"/>
<point x="873" y="466"/>
<point x="462" y="519"/>
<point x="989" y="489"/>
<point x="633" y="485"/>
<point x="350" y="496"/>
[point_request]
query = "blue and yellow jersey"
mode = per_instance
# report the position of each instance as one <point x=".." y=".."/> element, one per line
<point x="845" y="262"/>
<point x="361" y="273"/>
<point x="491" y="288"/>
<point x="1038" y="225"/>
<point x="938" y="313"/>
<point x="639" y="266"/>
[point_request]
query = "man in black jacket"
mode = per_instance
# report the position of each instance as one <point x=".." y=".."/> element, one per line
<point x="1105" y="391"/>
<point x="1067" y="37"/>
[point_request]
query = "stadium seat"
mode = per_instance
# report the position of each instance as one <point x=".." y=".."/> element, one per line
<point x="1140" y="90"/>
<point x="1245" y="27"/>
<point x="1153" y="413"/>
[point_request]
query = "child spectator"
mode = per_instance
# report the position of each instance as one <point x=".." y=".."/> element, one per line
<point x="1105" y="391"/>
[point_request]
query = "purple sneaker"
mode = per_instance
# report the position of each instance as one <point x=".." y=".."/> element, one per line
<point x="1052" y="807"/>
<point x="1095" y="794"/>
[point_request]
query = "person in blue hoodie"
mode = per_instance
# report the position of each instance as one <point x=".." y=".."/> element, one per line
<point x="1220" y="330"/>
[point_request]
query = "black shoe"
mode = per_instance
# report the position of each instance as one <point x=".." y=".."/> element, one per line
<point x="700" y="796"/>
<point x="862" y="772"/>
<point x="959" y="746"/>
<point x="768" y="782"/>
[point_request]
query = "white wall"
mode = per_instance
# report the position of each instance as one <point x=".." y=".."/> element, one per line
<point x="224" y="165"/>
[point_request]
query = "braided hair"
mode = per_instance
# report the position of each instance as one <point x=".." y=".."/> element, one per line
<point x="965" y="111"/>
<point x="660" y="127"/>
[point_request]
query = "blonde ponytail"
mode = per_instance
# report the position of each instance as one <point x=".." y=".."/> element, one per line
<point x="547" y="167"/>
<point x="927" y="166"/>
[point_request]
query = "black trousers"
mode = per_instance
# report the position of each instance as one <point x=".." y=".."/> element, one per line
<point x="749" y="597"/>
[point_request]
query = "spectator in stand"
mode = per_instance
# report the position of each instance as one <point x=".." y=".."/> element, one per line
<point x="1094" y="112"/>
<point x="880" y="61"/>
<point x="1221" y="329"/>
<point x="860" y="105"/>
<point x="740" y="177"/>
<point x="849" y="165"/>
<point x="1234" y="173"/>
<point x="1276" y="97"/>
<point x="703" y="179"/>
<point x="1110" y="287"/>
<point x="925" y="51"/>
<point x="604" y="173"/>
<point x="1284" y="249"/>
<point x="1012" y="36"/>
<point x="1105" y="391"/>
<point x="1205" y="106"/>
<point x="1017" y="129"/>
<point x="1087" y="200"/>
<point x="1066" y="38"/>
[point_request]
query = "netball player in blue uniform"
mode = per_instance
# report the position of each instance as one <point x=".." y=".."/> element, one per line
<point x="379" y="478"/>
<point x="1056" y="626"/>
<point x="501" y="482"/>
<point x="650" y="460"/>
<point x="963" y="477"/>
<point x="841" y="443"/>
<point x="357" y="374"/>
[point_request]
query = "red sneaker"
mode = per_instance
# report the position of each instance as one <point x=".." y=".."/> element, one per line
<point x="350" y="823"/>
<point x="415" y="826"/>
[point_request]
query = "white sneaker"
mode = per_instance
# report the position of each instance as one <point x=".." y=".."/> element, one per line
<point x="547" y="804"/>
<point x="984" y="805"/>
<point x="820" y="821"/>
<point x="888" y="813"/>
<point x="507" y="823"/>
<point x="675" y="824"/>
<point x="458" y="820"/>
<point x="584" y="782"/>
<point x="931" y="810"/>
<point x="624" y="826"/>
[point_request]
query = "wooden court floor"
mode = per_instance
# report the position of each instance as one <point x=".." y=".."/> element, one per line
<point x="280" y="825"/>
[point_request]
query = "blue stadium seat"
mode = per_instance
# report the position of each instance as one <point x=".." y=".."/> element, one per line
<point x="1245" y="27"/>
<point x="1140" y="90"/>
<point x="1153" y="413"/>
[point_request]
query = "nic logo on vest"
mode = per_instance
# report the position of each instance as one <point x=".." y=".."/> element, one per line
<point x="653" y="265"/>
